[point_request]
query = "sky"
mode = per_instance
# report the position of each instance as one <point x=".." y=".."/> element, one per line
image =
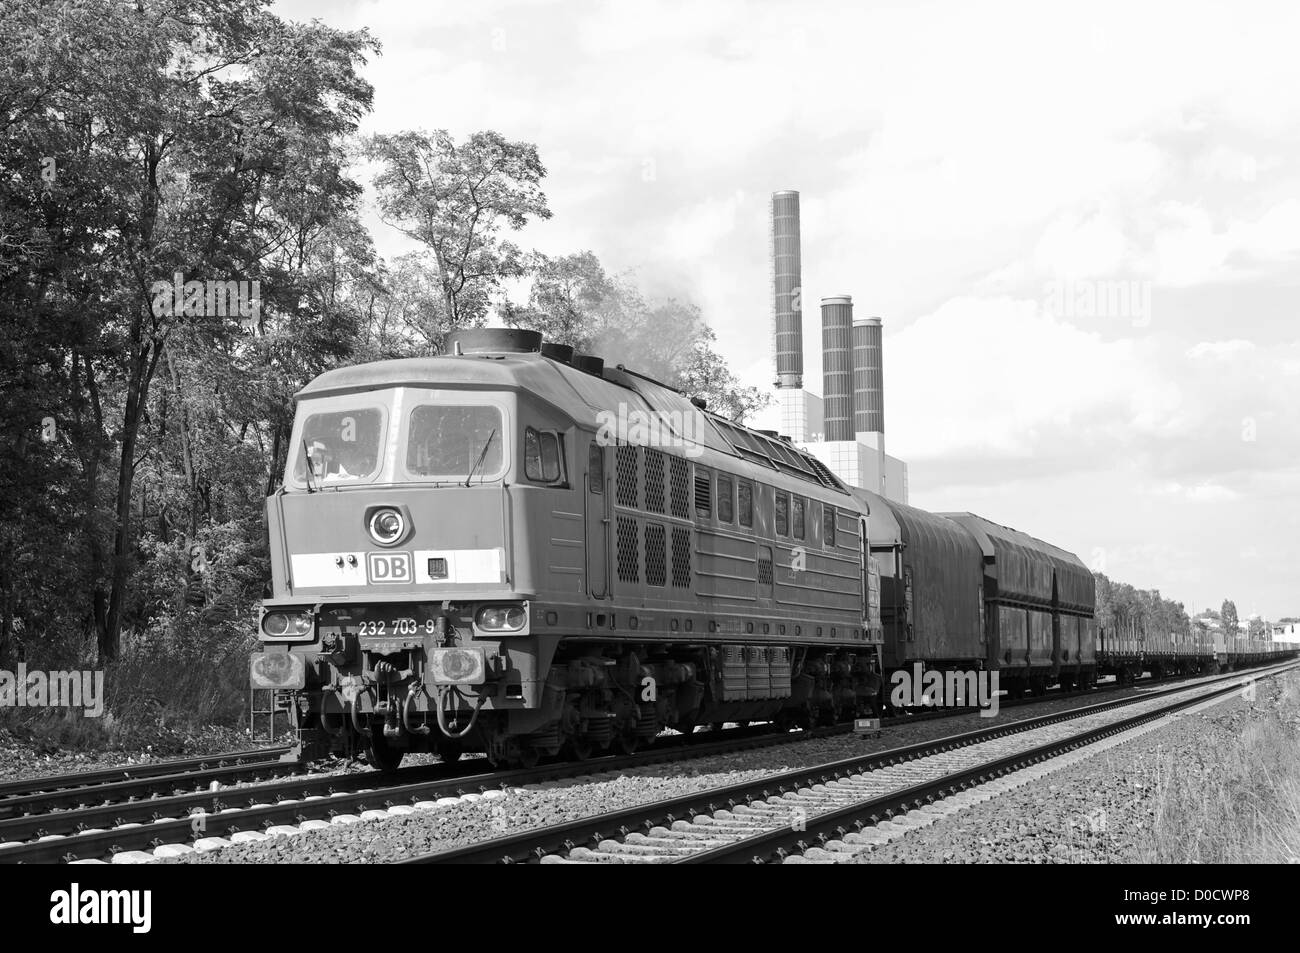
<point x="1080" y="224"/>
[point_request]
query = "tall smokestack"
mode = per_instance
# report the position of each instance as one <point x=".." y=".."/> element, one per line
<point x="868" y="377"/>
<point x="787" y="317"/>
<point x="837" y="366"/>
<point x="869" y="390"/>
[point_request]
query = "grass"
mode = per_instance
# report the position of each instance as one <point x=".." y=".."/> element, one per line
<point x="158" y="694"/>
<point x="1236" y="800"/>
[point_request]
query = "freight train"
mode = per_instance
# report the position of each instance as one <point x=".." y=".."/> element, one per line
<point x="517" y="550"/>
<point x="1127" y="651"/>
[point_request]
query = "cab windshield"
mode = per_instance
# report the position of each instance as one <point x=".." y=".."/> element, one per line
<point x="343" y="446"/>
<point x="397" y="436"/>
<point x="454" y="442"/>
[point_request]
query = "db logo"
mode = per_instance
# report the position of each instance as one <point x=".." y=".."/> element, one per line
<point x="389" y="567"/>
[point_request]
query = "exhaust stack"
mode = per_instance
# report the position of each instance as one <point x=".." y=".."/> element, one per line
<point x="868" y="377"/>
<point x="787" y="316"/>
<point x="869" y="390"/>
<point x="837" y="366"/>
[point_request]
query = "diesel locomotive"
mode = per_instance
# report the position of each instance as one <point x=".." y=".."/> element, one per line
<point x="515" y="549"/>
<point x="486" y="551"/>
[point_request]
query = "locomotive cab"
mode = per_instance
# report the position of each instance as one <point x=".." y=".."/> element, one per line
<point x="396" y="604"/>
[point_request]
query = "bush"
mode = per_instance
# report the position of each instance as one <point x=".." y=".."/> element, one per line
<point x="173" y="682"/>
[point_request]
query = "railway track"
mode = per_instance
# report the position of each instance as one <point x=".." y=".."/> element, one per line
<point x="128" y="816"/>
<point x="130" y="790"/>
<point x="249" y="813"/>
<point x="50" y="785"/>
<point x="828" y="812"/>
<point x="121" y="785"/>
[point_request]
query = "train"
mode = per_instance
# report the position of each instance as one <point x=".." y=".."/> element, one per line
<point x="1127" y="651"/>
<point x="515" y="549"/>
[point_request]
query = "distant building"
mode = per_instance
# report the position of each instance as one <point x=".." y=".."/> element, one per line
<point x="1209" y="622"/>
<point x="1286" y="632"/>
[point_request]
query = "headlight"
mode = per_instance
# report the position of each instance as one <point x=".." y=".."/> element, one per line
<point x="387" y="526"/>
<point x="501" y="618"/>
<point x="287" y="624"/>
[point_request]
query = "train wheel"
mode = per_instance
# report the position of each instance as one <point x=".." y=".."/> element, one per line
<point x="528" y="756"/>
<point x="626" y="742"/>
<point x="577" y="748"/>
<point x="382" y="755"/>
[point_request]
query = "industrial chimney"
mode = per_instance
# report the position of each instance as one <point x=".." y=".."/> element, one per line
<point x="837" y="366"/>
<point x="869" y="391"/>
<point x="787" y="318"/>
<point x="868" y="377"/>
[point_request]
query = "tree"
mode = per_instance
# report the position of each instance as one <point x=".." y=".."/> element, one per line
<point x="171" y="149"/>
<point x="1123" y="610"/>
<point x="570" y="300"/>
<point x="456" y="200"/>
<point x="406" y="313"/>
<point x="1229" y="615"/>
<point x="706" y="375"/>
<point x="1257" y="628"/>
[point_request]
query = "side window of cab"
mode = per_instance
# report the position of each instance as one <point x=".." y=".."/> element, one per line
<point x="543" y="456"/>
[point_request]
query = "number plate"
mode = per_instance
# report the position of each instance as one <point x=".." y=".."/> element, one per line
<point x="402" y="625"/>
<point x="396" y="627"/>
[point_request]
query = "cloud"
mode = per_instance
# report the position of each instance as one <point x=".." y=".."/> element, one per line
<point x="1202" y="493"/>
<point x="1220" y="349"/>
<point x="1000" y="377"/>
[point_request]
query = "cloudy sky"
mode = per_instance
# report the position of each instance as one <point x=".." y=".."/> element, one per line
<point x="987" y="179"/>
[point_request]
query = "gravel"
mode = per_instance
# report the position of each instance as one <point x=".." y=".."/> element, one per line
<point x="1101" y="809"/>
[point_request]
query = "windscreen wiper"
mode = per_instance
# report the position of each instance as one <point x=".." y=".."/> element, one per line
<point x="307" y="475"/>
<point x="482" y="454"/>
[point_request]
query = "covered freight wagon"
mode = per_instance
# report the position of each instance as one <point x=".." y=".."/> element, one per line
<point x="1039" y="602"/>
<point x="932" y="597"/>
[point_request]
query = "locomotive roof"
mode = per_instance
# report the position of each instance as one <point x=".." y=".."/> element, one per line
<point x="588" y="399"/>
